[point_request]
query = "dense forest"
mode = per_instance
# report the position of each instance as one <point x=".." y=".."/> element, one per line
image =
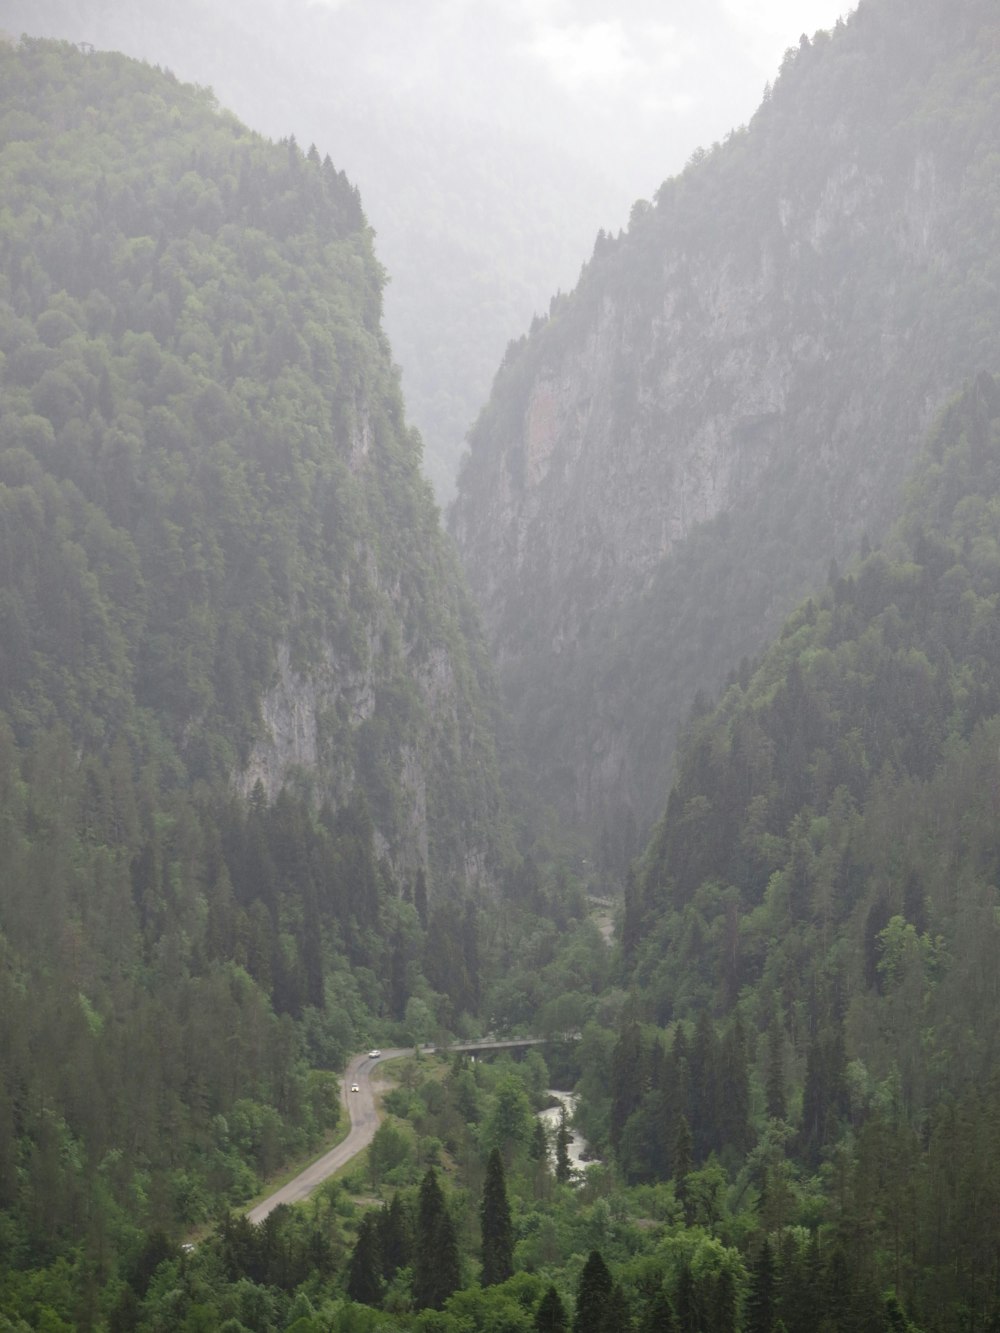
<point x="257" y="812"/>
<point x="251" y="799"/>
<point x="478" y="214"/>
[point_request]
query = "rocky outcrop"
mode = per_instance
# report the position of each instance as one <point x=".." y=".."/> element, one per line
<point x="733" y="395"/>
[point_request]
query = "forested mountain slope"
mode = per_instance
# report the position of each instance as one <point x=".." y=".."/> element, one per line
<point x="825" y="879"/>
<point x="216" y="529"/>
<point x="477" y="219"/>
<point x="247" y="774"/>
<point x="734" y="392"/>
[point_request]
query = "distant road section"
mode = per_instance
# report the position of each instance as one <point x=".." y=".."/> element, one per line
<point x="364" y="1117"/>
<point x="364" y="1122"/>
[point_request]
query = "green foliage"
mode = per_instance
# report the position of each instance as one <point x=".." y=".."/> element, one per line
<point x="207" y="488"/>
<point x="826" y="871"/>
<point x="436" y="1259"/>
<point x="495" y="1223"/>
<point x="212" y="520"/>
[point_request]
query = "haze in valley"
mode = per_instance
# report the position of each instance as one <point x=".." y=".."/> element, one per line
<point x="490" y="141"/>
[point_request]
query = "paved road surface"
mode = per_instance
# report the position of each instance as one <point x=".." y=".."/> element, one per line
<point x="364" y="1119"/>
<point x="364" y="1122"/>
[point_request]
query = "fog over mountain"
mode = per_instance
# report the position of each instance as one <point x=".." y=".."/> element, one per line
<point x="490" y="142"/>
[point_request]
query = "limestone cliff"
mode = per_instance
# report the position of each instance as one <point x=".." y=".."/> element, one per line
<point x="732" y="395"/>
<point x="217" y="545"/>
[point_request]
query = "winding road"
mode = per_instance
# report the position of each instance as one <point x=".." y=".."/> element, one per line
<point x="364" y="1118"/>
<point x="364" y="1122"/>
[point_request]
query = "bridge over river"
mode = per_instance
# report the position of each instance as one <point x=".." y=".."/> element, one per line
<point x="363" y="1113"/>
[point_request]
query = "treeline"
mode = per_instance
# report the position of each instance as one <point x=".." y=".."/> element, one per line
<point x="822" y="892"/>
<point x="218" y="561"/>
<point x="208" y="490"/>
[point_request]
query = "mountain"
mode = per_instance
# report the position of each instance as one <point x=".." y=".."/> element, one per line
<point x="251" y="809"/>
<point x="824" y="881"/>
<point x="478" y="214"/>
<point x="732" y="396"/>
<point x="216" y="519"/>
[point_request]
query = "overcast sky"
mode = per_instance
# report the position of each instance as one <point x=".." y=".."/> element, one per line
<point x="634" y="85"/>
<point x="490" y="139"/>
<point x="641" y="82"/>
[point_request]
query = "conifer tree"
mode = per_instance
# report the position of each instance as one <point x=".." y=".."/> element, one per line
<point x="686" y="1302"/>
<point x="626" y="1079"/>
<point x="364" y="1277"/>
<point x="498" y="1232"/>
<point x="722" y="1303"/>
<point x="682" y="1160"/>
<point x="394" y="1237"/>
<point x="550" y="1317"/>
<point x="436" y="1271"/>
<point x="761" y="1303"/>
<point x="774" y="1078"/>
<point x="734" y="1090"/>
<point x="659" y="1316"/>
<point x="538" y="1148"/>
<point x="593" y="1296"/>
<point x="563" y="1139"/>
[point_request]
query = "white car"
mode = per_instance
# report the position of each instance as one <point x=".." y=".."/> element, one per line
<point x="374" y="1054"/>
<point x="355" y="1088"/>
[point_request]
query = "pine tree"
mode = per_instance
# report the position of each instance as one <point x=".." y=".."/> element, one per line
<point x="722" y="1303"/>
<point x="774" y="1078"/>
<point x="682" y="1160"/>
<point x="626" y="1079"/>
<point x="734" y="1090"/>
<point x="659" y="1316"/>
<point x="759" y="1314"/>
<point x="593" y="1296"/>
<point x="498" y="1232"/>
<point x="550" y="1317"/>
<point x="538" y="1148"/>
<point x="364" y="1276"/>
<point x="685" y="1302"/>
<point x="436" y="1270"/>
<point x="703" y="1096"/>
<point x="394" y="1237"/>
<point x="563" y="1139"/>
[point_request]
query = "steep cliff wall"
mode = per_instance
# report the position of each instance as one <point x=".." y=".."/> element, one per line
<point x="734" y="392"/>
<point x="217" y="544"/>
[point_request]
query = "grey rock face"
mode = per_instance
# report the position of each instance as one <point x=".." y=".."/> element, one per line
<point x="732" y="397"/>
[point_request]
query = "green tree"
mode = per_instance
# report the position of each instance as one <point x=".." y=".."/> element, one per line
<point x="364" y="1276"/>
<point x="395" y="1241"/>
<point x="550" y="1316"/>
<point x="563" y="1140"/>
<point x="497" y="1229"/>
<point x="436" y="1268"/>
<point x="659" y="1316"/>
<point x="593" y="1296"/>
<point x="761" y="1302"/>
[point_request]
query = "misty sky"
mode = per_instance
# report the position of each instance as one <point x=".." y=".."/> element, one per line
<point x="490" y="139"/>
<point x="647" y="80"/>
<point x="636" y="85"/>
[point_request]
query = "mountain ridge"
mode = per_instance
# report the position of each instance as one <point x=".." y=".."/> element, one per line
<point x="731" y="396"/>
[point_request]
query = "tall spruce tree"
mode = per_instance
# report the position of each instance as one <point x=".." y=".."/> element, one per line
<point x="364" y="1276"/>
<point x="659" y="1316"/>
<point x="436" y="1268"/>
<point x="497" y="1230"/>
<point x="394" y="1236"/>
<point x="593" y="1296"/>
<point x="550" y="1317"/>
<point x="563" y="1140"/>
<point x="759" y="1314"/>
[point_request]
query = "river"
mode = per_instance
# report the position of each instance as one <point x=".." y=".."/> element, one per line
<point x="550" y="1119"/>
